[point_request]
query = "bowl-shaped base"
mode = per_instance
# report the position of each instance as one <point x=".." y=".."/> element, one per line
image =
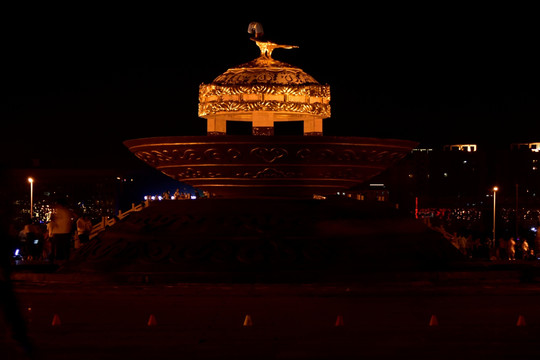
<point x="248" y="166"/>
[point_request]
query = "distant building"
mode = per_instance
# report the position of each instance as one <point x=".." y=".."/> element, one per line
<point x="463" y="175"/>
<point x="367" y="192"/>
<point x="534" y="147"/>
<point x="460" y="147"/>
<point x="453" y="185"/>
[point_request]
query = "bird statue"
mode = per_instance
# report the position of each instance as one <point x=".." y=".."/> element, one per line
<point x="265" y="46"/>
<point x="255" y="27"/>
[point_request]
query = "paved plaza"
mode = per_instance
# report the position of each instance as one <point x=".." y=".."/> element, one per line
<point x="420" y="320"/>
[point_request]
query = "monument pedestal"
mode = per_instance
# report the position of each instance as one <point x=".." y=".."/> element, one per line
<point x="283" y="240"/>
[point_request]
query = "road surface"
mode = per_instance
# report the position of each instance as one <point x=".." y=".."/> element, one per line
<point x="289" y="321"/>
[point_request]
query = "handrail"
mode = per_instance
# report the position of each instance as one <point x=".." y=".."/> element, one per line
<point x="106" y="222"/>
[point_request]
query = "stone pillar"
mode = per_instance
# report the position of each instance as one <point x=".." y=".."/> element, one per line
<point x="263" y="123"/>
<point x="216" y="125"/>
<point x="313" y="127"/>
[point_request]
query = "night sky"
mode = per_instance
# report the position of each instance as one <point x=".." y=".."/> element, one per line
<point x="79" y="81"/>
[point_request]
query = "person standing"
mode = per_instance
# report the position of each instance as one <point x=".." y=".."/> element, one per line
<point x="84" y="227"/>
<point x="61" y="231"/>
<point x="511" y="249"/>
<point x="525" y="249"/>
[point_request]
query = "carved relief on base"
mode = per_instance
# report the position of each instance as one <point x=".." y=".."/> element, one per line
<point x="236" y="161"/>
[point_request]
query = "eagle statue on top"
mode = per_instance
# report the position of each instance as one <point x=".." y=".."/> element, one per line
<point x="266" y="46"/>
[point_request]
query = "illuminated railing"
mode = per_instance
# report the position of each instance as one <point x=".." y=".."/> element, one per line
<point x="106" y="222"/>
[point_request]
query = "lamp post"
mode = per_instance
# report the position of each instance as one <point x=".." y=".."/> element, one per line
<point x="495" y="189"/>
<point x="31" y="181"/>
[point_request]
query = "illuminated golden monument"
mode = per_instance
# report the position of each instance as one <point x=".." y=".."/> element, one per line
<point x="267" y="225"/>
<point x="262" y="92"/>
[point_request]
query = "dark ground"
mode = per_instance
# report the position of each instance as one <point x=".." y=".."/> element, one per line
<point x="385" y="294"/>
<point x="391" y="320"/>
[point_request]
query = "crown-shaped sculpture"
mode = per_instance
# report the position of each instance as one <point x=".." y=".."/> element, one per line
<point x="262" y="92"/>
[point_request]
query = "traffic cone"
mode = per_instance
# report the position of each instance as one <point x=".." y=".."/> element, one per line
<point x="339" y="320"/>
<point x="433" y="321"/>
<point x="521" y="321"/>
<point x="29" y="314"/>
<point x="152" y="320"/>
<point x="56" y="320"/>
<point x="248" y="321"/>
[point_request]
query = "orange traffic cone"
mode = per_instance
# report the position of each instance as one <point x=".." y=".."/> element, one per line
<point x="248" y="321"/>
<point x="339" y="320"/>
<point x="521" y="321"/>
<point x="29" y="314"/>
<point x="433" y="321"/>
<point x="56" y="320"/>
<point x="152" y="320"/>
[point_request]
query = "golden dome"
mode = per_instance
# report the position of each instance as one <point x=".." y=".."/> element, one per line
<point x="264" y="70"/>
<point x="264" y="84"/>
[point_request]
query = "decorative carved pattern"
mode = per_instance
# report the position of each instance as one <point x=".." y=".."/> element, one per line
<point x="264" y="84"/>
<point x="191" y="173"/>
<point x="163" y="156"/>
<point x="262" y="71"/>
<point x="231" y="163"/>
<point x="215" y="107"/>
<point x="322" y="91"/>
<point x="268" y="173"/>
<point x="273" y="173"/>
<point x="191" y="155"/>
<point x="307" y="154"/>
<point x="269" y="155"/>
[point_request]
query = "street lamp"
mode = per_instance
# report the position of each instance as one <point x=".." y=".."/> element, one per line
<point x="495" y="189"/>
<point x="31" y="181"/>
